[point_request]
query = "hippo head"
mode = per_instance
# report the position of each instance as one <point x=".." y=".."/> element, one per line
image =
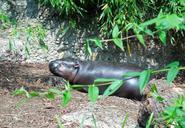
<point x="66" y="68"/>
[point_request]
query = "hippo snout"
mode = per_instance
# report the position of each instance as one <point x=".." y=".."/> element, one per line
<point x="54" y="65"/>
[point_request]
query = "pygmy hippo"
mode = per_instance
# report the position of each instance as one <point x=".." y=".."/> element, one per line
<point x="85" y="72"/>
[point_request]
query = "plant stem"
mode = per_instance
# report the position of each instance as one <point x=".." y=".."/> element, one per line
<point x="128" y="37"/>
<point x="167" y="69"/>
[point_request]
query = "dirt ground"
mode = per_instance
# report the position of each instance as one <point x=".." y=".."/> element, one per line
<point x="34" y="113"/>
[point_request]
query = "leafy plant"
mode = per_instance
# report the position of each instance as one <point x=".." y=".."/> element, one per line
<point x="175" y="114"/>
<point x="93" y="93"/>
<point x="5" y="21"/>
<point x="66" y="7"/>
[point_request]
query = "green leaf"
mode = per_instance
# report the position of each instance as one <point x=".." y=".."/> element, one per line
<point x="59" y="123"/>
<point x="93" y="93"/>
<point x="149" y="22"/>
<point x="149" y="32"/>
<point x="154" y="88"/>
<point x="43" y="45"/>
<point x="62" y="32"/>
<point x="34" y="94"/>
<point x="55" y="91"/>
<point x="19" y="91"/>
<point x="27" y="50"/>
<point x="129" y="26"/>
<point x="141" y="39"/>
<point x="22" y="91"/>
<point x="124" y="121"/>
<point x="66" y="98"/>
<point x="149" y="122"/>
<point x="131" y="74"/>
<point x="173" y="64"/>
<point x="50" y="95"/>
<point x="162" y="37"/>
<point x="157" y="97"/>
<point x="172" y="73"/>
<point x="143" y="79"/>
<point x="88" y="48"/>
<point x="118" y="42"/>
<point x="113" y="87"/>
<point x="155" y="94"/>
<point x="101" y="80"/>
<point x="115" y="32"/>
<point x="98" y="42"/>
<point x="78" y="86"/>
<point x="10" y="45"/>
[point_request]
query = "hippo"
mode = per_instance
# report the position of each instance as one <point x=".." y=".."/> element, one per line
<point x="85" y="72"/>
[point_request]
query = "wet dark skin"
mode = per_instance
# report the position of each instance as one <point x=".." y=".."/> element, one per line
<point x="85" y="72"/>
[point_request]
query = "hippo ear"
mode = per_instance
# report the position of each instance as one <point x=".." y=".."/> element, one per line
<point x="76" y="65"/>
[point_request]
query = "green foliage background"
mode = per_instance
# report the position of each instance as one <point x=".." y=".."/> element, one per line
<point x="120" y="20"/>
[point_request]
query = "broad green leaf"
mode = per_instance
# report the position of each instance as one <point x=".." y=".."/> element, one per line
<point x="115" y="32"/>
<point x="113" y="87"/>
<point x="93" y="93"/>
<point x="150" y="22"/>
<point x="118" y="42"/>
<point x="141" y="39"/>
<point x="172" y="73"/>
<point x="149" y="32"/>
<point x="173" y="64"/>
<point x="169" y="21"/>
<point x="131" y="74"/>
<point x="129" y="26"/>
<point x="98" y="42"/>
<point x="143" y="79"/>
<point x="66" y="98"/>
<point x="174" y="20"/>
<point x="162" y="37"/>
